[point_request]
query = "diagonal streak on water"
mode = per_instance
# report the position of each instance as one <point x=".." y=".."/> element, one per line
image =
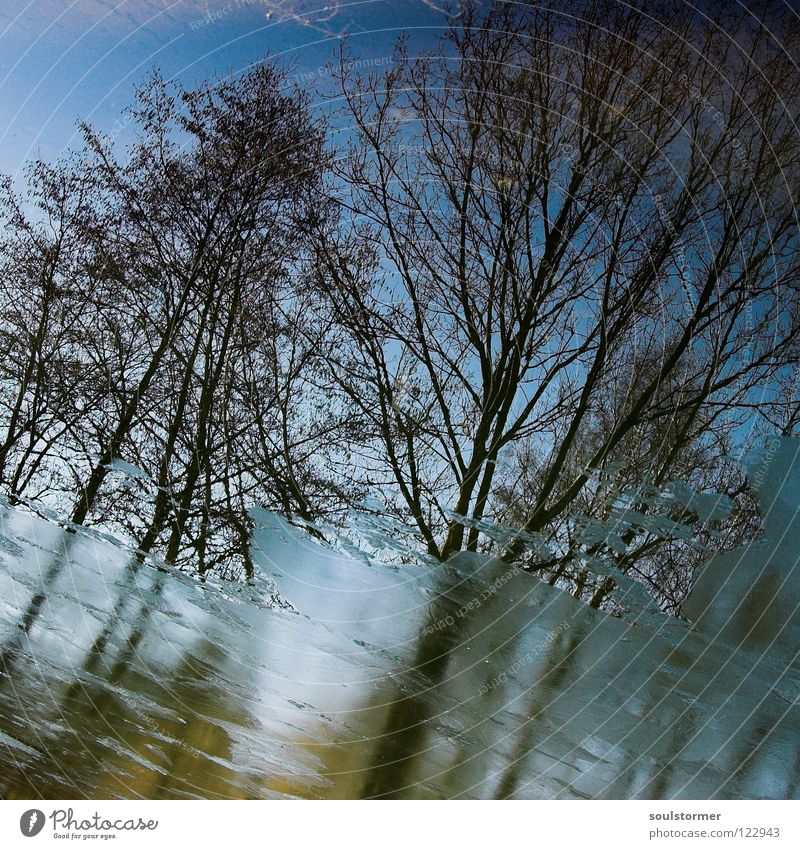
<point x="465" y="679"/>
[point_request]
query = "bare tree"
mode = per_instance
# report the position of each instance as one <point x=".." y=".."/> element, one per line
<point x="569" y="230"/>
<point x="210" y="205"/>
<point x="164" y="282"/>
<point x="47" y="385"/>
<point x="557" y="253"/>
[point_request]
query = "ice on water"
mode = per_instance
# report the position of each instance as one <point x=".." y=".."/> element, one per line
<point x="336" y="676"/>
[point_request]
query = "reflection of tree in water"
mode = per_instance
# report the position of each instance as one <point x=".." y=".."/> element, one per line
<point x="443" y="676"/>
<point x="110" y="741"/>
<point x="402" y="737"/>
<point x="439" y="726"/>
<point x="575" y="703"/>
<point x="558" y="661"/>
<point x="19" y="674"/>
<point x="185" y="749"/>
<point x="11" y="648"/>
<point x="391" y="744"/>
<point x="19" y="662"/>
<point x="143" y="714"/>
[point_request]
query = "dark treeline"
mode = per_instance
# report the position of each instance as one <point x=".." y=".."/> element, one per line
<point x="561" y="243"/>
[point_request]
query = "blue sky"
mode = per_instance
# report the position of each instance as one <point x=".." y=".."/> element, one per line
<point x="61" y="60"/>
